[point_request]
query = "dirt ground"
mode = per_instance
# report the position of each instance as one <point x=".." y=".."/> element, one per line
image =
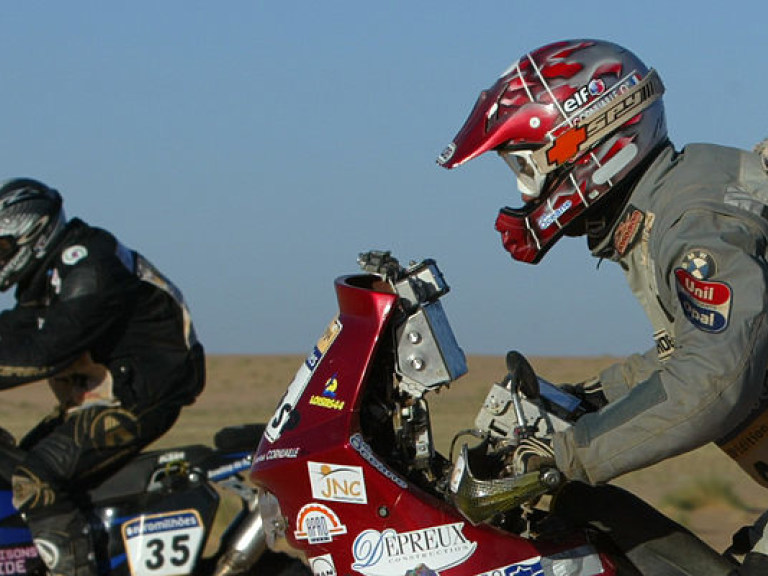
<point x="705" y="490"/>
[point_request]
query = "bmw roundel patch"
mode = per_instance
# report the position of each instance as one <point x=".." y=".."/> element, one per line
<point x="699" y="263"/>
<point x="706" y="304"/>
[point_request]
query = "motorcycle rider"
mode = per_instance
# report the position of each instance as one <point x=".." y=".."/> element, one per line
<point x="115" y="340"/>
<point x="582" y="125"/>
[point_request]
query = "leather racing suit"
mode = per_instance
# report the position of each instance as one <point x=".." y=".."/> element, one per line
<point x="115" y="340"/>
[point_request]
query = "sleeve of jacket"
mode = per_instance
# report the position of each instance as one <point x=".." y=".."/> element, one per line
<point x="717" y="370"/>
<point x="618" y="379"/>
<point x="93" y="296"/>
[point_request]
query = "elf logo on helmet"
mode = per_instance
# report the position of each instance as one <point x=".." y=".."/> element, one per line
<point x="583" y="95"/>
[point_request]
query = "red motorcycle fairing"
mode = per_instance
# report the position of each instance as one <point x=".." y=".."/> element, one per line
<point x="346" y="509"/>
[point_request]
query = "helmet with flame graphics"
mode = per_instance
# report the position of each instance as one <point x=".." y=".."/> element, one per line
<point x="572" y="119"/>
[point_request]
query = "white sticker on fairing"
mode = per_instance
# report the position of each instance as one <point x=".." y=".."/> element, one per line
<point x="322" y="565"/>
<point x="296" y="388"/>
<point x="163" y="544"/>
<point x="391" y="553"/>
<point x="337" y="483"/>
<point x="74" y="254"/>
<point x="581" y="561"/>
<point x="318" y="524"/>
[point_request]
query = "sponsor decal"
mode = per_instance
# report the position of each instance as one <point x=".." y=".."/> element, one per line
<point x="567" y="146"/>
<point x="665" y="344"/>
<point x="362" y="448"/>
<point x="446" y="154"/>
<point x="700" y="264"/>
<point x="628" y="230"/>
<point x="617" y="90"/>
<point x="583" y="95"/>
<point x="530" y="567"/>
<point x="583" y="561"/>
<point x="580" y="136"/>
<point x="229" y="469"/>
<point x="707" y="305"/>
<point x="337" y="483"/>
<point x="13" y="560"/>
<point x="746" y="443"/>
<point x="324" y="402"/>
<point x="318" y="524"/>
<point x="551" y="217"/>
<point x="328" y="397"/>
<point x="74" y="254"/>
<point x="163" y="544"/>
<point x="169" y="457"/>
<point x="390" y="552"/>
<point x="322" y="565"/>
<point x="278" y="454"/>
<point x="752" y="437"/>
<point x="285" y="417"/>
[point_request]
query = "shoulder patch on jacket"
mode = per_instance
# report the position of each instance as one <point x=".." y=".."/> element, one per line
<point x="706" y="304"/>
<point x="700" y="264"/>
<point x="628" y="229"/>
<point x="72" y="255"/>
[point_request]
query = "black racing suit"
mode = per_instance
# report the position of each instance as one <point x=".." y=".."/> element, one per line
<point x="115" y="340"/>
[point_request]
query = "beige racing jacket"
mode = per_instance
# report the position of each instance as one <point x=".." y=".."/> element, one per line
<point x="692" y="242"/>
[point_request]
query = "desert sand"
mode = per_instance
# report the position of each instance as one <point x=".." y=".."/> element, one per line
<point x="705" y="490"/>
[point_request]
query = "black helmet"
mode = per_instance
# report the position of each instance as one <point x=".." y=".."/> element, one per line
<point x="30" y="217"/>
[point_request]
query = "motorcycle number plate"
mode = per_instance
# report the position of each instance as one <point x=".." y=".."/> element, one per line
<point x="299" y="383"/>
<point x="163" y="544"/>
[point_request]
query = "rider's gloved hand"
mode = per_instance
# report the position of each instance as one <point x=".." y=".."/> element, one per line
<point x="533" y="454"/>
<point x="590" y="392"/>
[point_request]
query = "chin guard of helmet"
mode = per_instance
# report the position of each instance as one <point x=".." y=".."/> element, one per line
<point x="518" y="236"/>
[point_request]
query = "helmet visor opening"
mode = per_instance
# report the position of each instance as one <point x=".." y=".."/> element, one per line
<point x="8" y="247"/>
<point x="530" y="181"/>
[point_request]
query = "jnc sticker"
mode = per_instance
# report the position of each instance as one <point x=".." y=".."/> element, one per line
<point x="337" y="483"/>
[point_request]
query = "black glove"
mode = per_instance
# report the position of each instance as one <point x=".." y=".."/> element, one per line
<point x="589" y="392"/>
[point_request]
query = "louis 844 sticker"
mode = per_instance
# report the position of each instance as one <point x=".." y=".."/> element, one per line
<point x="287" y="404"/>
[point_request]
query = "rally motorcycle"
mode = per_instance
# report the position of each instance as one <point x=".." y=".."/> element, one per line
<point x="178" y="511"/>
<point x="350" y="480"/>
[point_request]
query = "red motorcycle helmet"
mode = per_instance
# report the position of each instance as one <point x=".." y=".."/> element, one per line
<point x="572" y="119"/>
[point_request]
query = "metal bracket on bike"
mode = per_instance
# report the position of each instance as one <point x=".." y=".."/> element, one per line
<point x="380" y="262"/>
<point x="428" y="355"/>
<point x="420" y="283"/>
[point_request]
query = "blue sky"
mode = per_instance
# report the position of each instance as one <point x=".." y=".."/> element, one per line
<point x="252" y="149"/>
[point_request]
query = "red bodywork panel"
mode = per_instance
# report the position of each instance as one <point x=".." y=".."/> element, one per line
<point x="364" y="518"/>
